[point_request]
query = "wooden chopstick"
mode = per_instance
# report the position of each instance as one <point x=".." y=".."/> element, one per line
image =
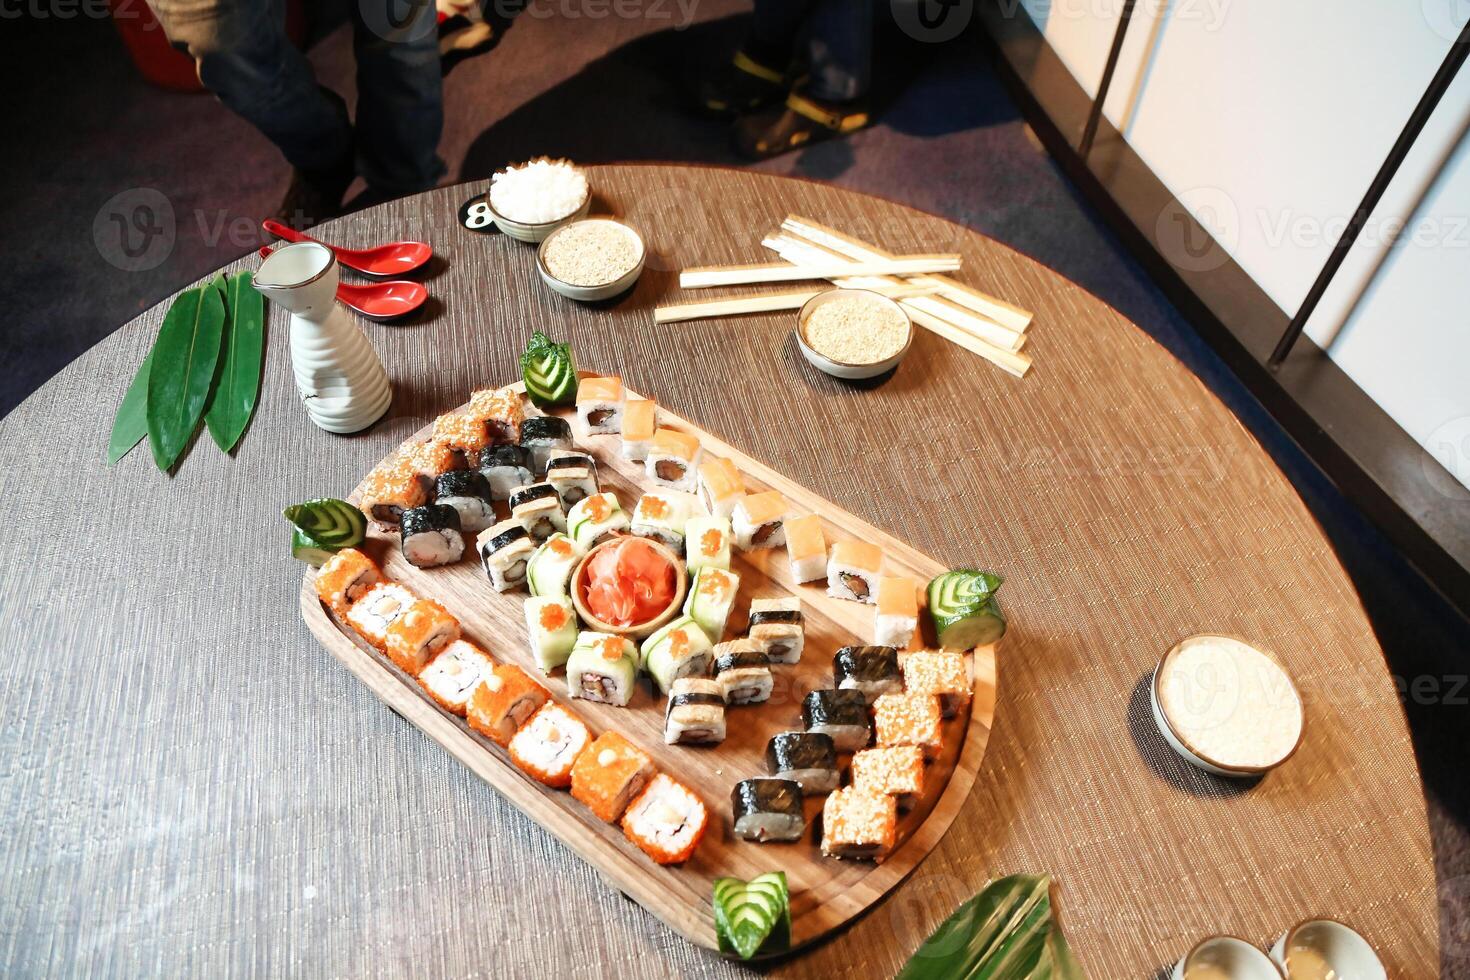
<point x="761" y="303"/>
<point x="737" y="275"/>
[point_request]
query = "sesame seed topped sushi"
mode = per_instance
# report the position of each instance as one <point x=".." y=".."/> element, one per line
<point x="858" y="824"/>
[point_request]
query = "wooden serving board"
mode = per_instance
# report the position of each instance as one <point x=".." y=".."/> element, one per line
<point x="825" y="892"/>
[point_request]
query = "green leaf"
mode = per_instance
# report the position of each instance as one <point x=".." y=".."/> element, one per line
<point x="184" y="359"/>
<point x="235" y="395"/>
<point x="131" y="423"/>
<point x="1006" y="932"/>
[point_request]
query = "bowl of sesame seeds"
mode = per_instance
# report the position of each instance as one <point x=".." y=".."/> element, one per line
<point x="853" y="333"/>
<point x="591" y="259"/>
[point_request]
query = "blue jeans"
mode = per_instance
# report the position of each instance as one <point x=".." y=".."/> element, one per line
<point x="838" y="39"/>
<point x="245" y="58"/>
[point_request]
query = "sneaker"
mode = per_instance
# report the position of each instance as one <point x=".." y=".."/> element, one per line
<point x="799" y="122"/>
<point x="743" y="85"/>
<point x="312" y="198"/>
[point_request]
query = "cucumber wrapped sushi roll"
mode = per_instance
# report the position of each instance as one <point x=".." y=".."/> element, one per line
<point x="602" y="668"/>
<point x="662" y="514"/>
<point x="753" y="916"/>
<point x="711" y="597"/>
<point x="594" y="520"/>
<point x="679" y="649"/>
<point x="551" y="625"/>
<point x="550" y="569"/>
<point x="707" y="543"/>
<point x="963" y="606"/>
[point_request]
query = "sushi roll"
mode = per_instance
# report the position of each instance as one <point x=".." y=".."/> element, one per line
<point x="574" y="475"/>
<point x="908" y="719"/>
<point x="594" y="520"/>
<point x="720" y="486"/>
<point x="806" y="548"/>
<point x="897" y="771"/>
<point x="767" y="810"/>
<point x="600" y="404"/>
<point x="872" y="670"/>
<point x="344" y="578"/>
<point x="551" y="625"/>
<point x="451" y="677"/>
<point x="841" y="714"/>
<point x="422" y="631"/>
<point x="547" y="746"/>
<point x="545" y="436"/>
<point x="640" y="419"/>
<point x="759" y="521"/>
<point x="743" y="671"/>
<point x="852" y="571"/>
<point x="390" y="490"/>
<point x="468" y="492"/>
<point x="710" y="599"/>
<point x="666" y="820"/>
<point x="858" y="824"/>
<point x="671" y="458"/>
<point x="940" y="673"/>
<point x="897" y="615"/>
<point x="505" y="551"/>
<point x="431" y="536"/>
<point x="377" y="610"/>
<point x="500" y="410"/>
<point x="662" y="515"/>
<point x="609" y="774"/>
<point x="706" y="543"/>
<point x="505" y="468"/>
<point x="776" y="625"/>
<point x="503" y="702"/>
<point x="602" y="668"/>
<point x="430" y="460"/>
<point x="807" y="758"/>
<point x="538" y="509"/>
<point x="678" y="649"/>
<point x="465" y="433"/>
<point x="695" y="714"/>
<point x="550" y="569"/>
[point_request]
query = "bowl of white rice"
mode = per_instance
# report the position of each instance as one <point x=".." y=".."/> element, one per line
<point x="591" y="259"/>
<point x="853" y="333"/>
<point x="530" y="201"/>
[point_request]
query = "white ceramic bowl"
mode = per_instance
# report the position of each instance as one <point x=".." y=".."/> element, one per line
<point x="1225" y="956"/>
<point x="533" y="233"/>
<point x="842" y="369"/>
<point x="607" y="290"/>
<point x="1309" y="948"/>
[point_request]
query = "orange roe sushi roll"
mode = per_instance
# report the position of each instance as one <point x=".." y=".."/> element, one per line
<point x="609" y="774"/>
<point x="667" y="821"/>
<point x="344" y="578"/>
<point x="503" y="702"/>
<point x="422" y="631"/>
<point x="908" y="719"/>
<point x="940" y="673"/>
<point x="378" y="609"/>
<point x="452" y="676"/>
<point x="859" y="824"/>
<point x="548" y="746"/>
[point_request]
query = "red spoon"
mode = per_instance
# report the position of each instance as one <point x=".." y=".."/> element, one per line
<point x="392" y="259"/>
<point x="378" y="300"/>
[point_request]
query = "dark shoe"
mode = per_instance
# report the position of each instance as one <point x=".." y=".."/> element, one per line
<point x="801" y="121"/>
<point x="313" y="198"/>
<point x="743" y="85"/>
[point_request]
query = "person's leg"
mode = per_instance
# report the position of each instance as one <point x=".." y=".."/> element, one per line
<point x="762" y="70"/>
<point x="774" y="29"/>
<point x="840" y="46"/>
<point x="400" y="95"/>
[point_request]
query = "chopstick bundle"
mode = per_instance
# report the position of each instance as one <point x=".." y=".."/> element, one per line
<point x="762" y="303"/>
<point x="735" y="275"/>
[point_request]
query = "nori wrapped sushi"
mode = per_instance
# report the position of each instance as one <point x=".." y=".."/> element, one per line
<point x="544" y="436"/>
<point x="431" y="535"/>
<point x="841" y="714"/>
<point x="468" y="492"/>
<point x="807" y="758"/>
<point x="505" y="468"/>
<point x="872" y="670"/>
<point x="767" y="810"/>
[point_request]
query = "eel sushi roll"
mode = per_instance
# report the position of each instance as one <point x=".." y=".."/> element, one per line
<point x="872" y="670"/>
<point x="505" y="551"/>
<point x="574" y="475"/>
<point x="677" y="649"/>
<point x="431" y="536"/>
<point x="379" y="608"/>
<point x="551" y="625"/>
<point x="505" y="468"/>
<point x="600" y="404"/>
<point x="422" y="631"/>
<point x="743" y="672"/>
<point x="896" y="771"/>
<point x="776" y="625"/>
<point x="695" y="714"/>
<point x="609" y="774"/>
<point x="671" y="458"/>
<point x="662" y="516"/>
<point x="720" y="486"/>
<point x="344" y="578"/>
<point x="602" y="668"/>
<point x="550" y="569"/>
<point x="596" y="519"/>
<point x="806" y="548"/>
<point x="538" y="509"/>
<point x="909" y="719"/>
<point x="547" y="746"/>
<point x="710" y="599"/>
<point x="841" y="714"/>
<point x="897" y="615"/>
<point x="760" y="521"/>
<point x="391" y="490"/>
<point x="706" y="543"/>
<point x="452" y="676"/>
<point x="666" y="821"/>
<point x="468" y="492"/>
<point x="767" y="810"/>
<point x="807" y="758"/>
<point x="465" y="433"/>
<point x="852" y="571"/>
<point x="858" y="824"/>
<point x="503" y="701"/>
<point x="500" y="410"/>
<point x="940" y="673"/>
<point x="543" y="437"/>
<point x="640" y="419"/>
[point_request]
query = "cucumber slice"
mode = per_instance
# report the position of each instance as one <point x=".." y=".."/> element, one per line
<point x="308" y="549"/>
<point x="753" y="916"/>
<point x="547" y="369"/>
<point x="963" y="606"/>
<point x="330" y="522"/>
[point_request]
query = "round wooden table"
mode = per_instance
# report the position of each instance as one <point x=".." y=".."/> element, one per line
<point x="191" y="785"/>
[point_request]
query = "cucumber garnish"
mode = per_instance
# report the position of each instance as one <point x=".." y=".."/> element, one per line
<point x="963" y="606"/>
<point x="753" y="916"/>
<point x="332" y="523"/>
<point x="309" y="550"/>
<point x="547" y="369"/>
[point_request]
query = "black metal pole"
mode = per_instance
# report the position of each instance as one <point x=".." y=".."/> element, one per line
<point x="1089" y="132"/>
<point x="1437" y="88"/>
